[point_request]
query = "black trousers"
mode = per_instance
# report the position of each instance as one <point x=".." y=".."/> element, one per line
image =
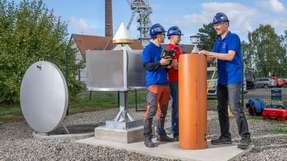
<point x="231" y="94"/>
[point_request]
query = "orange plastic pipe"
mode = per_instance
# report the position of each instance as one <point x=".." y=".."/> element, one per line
<point x="192" y="101"/>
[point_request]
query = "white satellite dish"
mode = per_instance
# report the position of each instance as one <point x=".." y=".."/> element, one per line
<point x="44" y="96"/>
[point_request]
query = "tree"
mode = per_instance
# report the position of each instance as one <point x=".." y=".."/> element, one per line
<point x="248" y="56"/>
<point x="267" y="52"/>
<point x="284" y="41"/>
<point x="28" y="32"/>
<point x="207" y="36"/>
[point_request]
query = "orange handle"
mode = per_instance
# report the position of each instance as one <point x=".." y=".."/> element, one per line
<point x="192" y="101"/>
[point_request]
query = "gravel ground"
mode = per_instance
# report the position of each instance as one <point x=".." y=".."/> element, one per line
<point x="63" y="149"/>
<point x="257" y="127"/>
<point x="17" y="143"/>
<point x="267" y="149"/>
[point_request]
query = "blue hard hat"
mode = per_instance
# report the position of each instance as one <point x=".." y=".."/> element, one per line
<point x="156" y="29"/>
<point x="219" y="17"/>
<point x="174" y="30"/>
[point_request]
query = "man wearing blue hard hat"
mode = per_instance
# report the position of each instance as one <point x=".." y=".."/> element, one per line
<point x="157" y="84"/>
<point x="174" y="35"/>
<point x="227" y="51"/>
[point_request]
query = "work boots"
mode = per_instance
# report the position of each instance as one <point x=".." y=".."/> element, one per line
<point x="162" y="136"/>
<point x="148" y="133"/>
<point x="221" y="140"/>
<point x="244" y="143"/>
<point x="176" y="138"/>
<point x="149" y="143"/>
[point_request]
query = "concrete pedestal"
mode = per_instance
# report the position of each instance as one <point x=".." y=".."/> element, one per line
<point x="126" y="136"/>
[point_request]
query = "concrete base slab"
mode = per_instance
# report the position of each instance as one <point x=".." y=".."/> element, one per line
<point x="119" y="135"/>
<point x="172" y="150"/>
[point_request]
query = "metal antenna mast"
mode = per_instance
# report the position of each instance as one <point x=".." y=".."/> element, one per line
<point x="142" y="9"/>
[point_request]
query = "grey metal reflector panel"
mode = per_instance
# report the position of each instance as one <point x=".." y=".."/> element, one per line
<point x="105" y="69"/>
<point x="136" y="72"/>
<point x="114" y="70"/>
<point x="44" y="96"/>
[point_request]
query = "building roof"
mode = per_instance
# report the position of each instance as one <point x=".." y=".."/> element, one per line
<point x="93" y="42"/>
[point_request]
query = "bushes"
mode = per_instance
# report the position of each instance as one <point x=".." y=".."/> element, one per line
<point x="28" y="32"/>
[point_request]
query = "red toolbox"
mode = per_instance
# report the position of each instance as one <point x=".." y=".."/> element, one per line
<point x="273" y="113"/>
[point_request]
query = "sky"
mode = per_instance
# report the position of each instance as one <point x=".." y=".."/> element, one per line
<point x="87" y="16"/>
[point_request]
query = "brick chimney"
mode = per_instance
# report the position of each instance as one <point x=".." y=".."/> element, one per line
<point x="108" y="18"/>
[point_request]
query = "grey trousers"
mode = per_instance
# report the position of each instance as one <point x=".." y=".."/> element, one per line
<point x="231" y="94"/>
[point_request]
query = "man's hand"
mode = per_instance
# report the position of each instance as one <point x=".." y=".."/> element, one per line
<point x="164" y="61"/>
<point x="221" y="56"/>
<point x="210" y="56"/>
<point x="205" y="52"/>
<point x="174" y="64"/>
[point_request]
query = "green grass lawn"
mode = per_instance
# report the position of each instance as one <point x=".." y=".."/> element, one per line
<point x="103" y="99"/>
<point x="83" y="103"/>
<point x="10" y="113"/>
<point x="279" y="127"/>
<point x="80" y="103"/>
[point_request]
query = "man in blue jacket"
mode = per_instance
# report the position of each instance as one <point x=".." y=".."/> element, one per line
<point x="157" y="84"/>
<point x="226" y="50"/>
